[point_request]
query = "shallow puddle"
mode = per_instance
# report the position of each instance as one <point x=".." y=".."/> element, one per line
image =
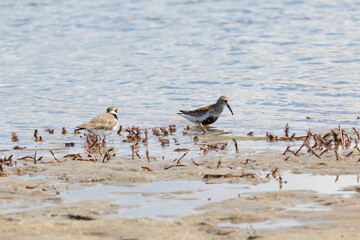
<point x="268" y="224"/>
<point x="21" y="206"/>
<point x="175" y="199"/>
<point x="308" y="207"/>
<point x="28" y="177"/>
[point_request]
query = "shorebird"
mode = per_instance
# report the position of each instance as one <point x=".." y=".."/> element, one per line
<point x="209" y="114"/>
<point x="103" y="124"/>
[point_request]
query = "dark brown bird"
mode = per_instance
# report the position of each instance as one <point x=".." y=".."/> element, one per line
<point x="209" y="114"/>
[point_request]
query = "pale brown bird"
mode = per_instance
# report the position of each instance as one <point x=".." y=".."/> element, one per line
<point x="103" y="124"/>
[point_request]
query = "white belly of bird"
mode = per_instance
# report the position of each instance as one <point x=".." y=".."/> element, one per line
<point x="102" y="132"/>
<point x="196" y="119"/>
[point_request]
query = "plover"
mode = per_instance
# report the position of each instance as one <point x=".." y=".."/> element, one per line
<point x="103" y="124"/>
<point x="209" y="114"/>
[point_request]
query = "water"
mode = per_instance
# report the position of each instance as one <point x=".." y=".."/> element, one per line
<point x="63" y="62"/>
<point x="308" y="207"/>
<point x="175" y="199"/>
<point x="265" y="225"/>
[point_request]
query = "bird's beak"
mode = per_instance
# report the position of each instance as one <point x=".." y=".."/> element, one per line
<point x="230" y="109"/>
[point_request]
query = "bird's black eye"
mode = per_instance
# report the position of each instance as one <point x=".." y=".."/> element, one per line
<point x="226" y="101"/>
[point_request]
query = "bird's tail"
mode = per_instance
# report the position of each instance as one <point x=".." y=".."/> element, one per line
<point x="181" y="112"/>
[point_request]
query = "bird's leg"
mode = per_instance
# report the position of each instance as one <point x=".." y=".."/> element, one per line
<point x="101" y="144"/>
<point x="87" y="152"/>
<point x="100" y="151"/>
<point x="202" y="128"/>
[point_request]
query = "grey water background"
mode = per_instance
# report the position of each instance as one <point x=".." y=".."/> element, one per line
<point x="63" y="62"/>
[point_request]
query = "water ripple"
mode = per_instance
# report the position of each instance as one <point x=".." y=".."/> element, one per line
<point x="66" y="61"/>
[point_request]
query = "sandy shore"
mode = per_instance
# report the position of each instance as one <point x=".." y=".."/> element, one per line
<point x="41" y="213"/>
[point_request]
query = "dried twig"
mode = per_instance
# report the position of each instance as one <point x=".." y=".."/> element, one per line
<point x="357" y="132"/>
<point x="36" y="135"/>
<point x="35" y="157"/>
<point x="147" y="155"/>
<point x="172" y="128"/>
<point x="252" y="175"/>
<point x="236" y="145"/>
<point x="178" y="161"/>
<point x="107" y="155"/>
<point x="326" y="150"/>
<point x="219" y="163"/>
<point x="193" y="161"/>
<point x="165" y="132"/>
<point x="50" y="131"/>
<point x="349" y="154"/>
<point x="32" y="187"/>
<point x="287" y="130"/>
<point x="52" y="153"/>
<point x="290" y="151"/>
<point x="356" y="145"/>
<point x="14" y="137"/>
<point x="119" y="131"/>
<point x="88" y="153"/>
<point x="177" y="165"/>
<point x="147" y="169"/>
<point x="313" y="152"/>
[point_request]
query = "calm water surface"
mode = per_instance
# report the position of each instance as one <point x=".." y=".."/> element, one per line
<point x="174" y="199"/>
<point x="63" y="62"/>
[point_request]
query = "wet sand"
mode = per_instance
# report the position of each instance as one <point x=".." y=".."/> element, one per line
<point x="32" y="209"/>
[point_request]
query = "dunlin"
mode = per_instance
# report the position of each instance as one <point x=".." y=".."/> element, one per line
<point x="103" y="124"/>
<point x="209" y="114"/>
